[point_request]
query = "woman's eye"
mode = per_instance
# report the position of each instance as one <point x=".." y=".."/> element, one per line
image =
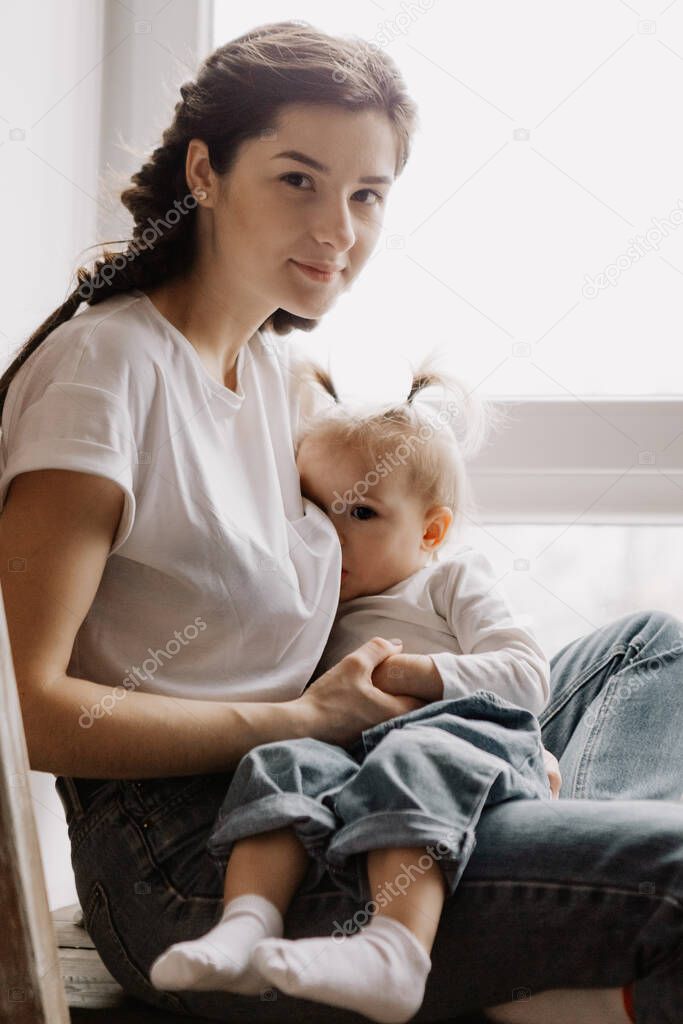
<point x="379" y="198"/>
<point x="363" y="508"/>
<point x="294" y="174"/>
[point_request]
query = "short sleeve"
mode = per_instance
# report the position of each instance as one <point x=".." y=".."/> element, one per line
<point x="79" y="427"/>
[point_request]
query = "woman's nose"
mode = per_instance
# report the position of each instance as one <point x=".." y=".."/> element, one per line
<point x="334" y="227"/>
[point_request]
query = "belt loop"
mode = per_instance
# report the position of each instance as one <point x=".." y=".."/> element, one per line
<point x="66" y="787"/>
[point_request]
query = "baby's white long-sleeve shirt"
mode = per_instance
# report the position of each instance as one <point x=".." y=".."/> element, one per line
<point x="452" y="611"/>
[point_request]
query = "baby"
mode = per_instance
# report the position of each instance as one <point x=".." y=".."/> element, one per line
<point x="392" y="482"/>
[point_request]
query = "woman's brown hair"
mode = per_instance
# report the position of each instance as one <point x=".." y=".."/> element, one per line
<point x="238" y="93"/>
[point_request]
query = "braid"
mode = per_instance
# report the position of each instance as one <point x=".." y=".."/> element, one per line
<point x="163" y="233"/>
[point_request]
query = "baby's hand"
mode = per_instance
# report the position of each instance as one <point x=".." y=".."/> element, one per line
<point x="414" y="675"/>
<point x="552" y="768"/>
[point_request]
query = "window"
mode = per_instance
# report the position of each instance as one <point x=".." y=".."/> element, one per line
<point x="538" y="230"/>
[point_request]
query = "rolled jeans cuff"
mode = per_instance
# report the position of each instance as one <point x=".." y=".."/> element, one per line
<point x="312" y="822"/>
<point x="449" y="845"/>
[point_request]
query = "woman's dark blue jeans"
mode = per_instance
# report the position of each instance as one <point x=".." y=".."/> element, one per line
<point x="581" y="892"/>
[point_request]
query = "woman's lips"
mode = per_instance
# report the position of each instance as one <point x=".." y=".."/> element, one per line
<point x="314" y="274"/>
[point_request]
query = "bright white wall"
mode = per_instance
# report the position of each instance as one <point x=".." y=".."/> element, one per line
<point x="546" y="145"/>
<point x="50" y="89"/>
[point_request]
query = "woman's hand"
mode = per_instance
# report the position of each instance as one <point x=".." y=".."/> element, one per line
<point x="553" y="769"/>
<point x="412" y="675"/>
<point x="343" y="702"/>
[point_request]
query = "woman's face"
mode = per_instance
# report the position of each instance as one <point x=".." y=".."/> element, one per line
<point x="283" y="211"/>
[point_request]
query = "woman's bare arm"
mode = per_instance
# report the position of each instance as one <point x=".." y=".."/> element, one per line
<point x="56" y="531"/>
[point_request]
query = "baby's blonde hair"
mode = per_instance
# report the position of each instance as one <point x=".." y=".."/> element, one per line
<point x="438" y="436"/>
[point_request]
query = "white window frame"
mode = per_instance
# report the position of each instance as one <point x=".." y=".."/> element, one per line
<point x="593" y="460"/>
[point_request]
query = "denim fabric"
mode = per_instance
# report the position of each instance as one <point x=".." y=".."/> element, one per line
<point x="420" y="779"/>
<point x="584" y="891"/>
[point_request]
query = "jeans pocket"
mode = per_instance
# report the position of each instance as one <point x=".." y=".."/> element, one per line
<point x="100" y="926"/>
<point x="152" y="800"/>
<point x="170" y="821"/>
<point x="102" y="809"/>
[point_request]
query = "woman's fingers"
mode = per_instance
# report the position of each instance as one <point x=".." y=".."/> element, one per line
<point x="372" y="652"/>
<point x="343" y="702"/>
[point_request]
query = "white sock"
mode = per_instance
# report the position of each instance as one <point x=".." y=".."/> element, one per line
<point x="219" y="960"/>
<point x="564" y="1006"/>
<point x="380" y="972"/>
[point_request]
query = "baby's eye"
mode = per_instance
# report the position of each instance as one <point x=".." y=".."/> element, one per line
<point x="363" y="508"/>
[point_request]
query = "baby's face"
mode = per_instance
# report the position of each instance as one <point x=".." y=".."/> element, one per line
<point x="381" y="529"/>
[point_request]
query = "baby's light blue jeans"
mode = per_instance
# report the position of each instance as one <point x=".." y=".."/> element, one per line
<point x="421" y="779"/>
<point x="585" y="891"/>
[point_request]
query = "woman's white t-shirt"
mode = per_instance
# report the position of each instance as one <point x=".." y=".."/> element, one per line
<point x="222" y="581"/>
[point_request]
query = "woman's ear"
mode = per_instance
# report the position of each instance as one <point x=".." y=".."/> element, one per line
<point x="201" y="179"/>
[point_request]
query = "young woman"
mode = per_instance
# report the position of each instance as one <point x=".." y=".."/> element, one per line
<point x="168" y="592"/>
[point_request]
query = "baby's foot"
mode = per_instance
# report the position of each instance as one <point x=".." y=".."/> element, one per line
<point x="219" y="960"/>
<point x="380" y="972"/>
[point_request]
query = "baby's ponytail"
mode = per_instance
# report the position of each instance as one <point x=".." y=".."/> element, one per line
<point x="440" y="425"/>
